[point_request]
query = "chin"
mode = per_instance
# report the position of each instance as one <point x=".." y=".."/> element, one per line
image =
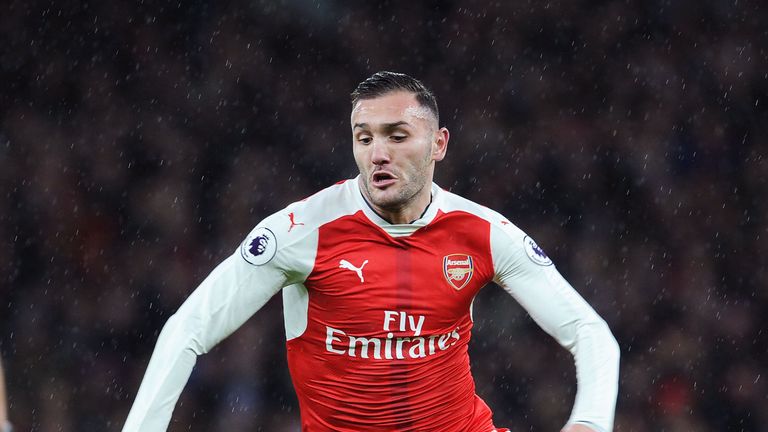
<point x="384" y="199"/>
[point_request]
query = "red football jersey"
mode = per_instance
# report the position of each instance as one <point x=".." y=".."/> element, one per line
<point x="388" y="327"/>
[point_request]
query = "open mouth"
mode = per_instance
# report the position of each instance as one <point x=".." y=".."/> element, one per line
<point x="382" y="179"/>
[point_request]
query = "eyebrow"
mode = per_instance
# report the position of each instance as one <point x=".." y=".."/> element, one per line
<point x="385" y="125"/>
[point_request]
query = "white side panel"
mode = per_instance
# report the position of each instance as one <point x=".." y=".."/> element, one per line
<point x="295" y="308"/>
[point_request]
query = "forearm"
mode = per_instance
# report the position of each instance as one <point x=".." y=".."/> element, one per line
<point x="233" y="292"/>
<point x="596" y="355"/>
<point x="562" y="313"/>
<point x="166" y="375"/>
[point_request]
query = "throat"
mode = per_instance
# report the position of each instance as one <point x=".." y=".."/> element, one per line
<point x="404" y="215"/>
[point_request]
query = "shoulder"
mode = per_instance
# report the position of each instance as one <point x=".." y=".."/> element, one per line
<point x="289" y="236"/>
<point x="509" y="243"/>
<point x="324" y="206"/>
<point x="300" y="220"/>
<point x="451" y="202"/>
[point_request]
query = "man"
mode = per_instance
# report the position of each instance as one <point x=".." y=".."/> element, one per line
<point x="378" y="276"/>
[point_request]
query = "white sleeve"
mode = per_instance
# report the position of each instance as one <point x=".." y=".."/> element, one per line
<point x="526" y="273"/>
<point x="231" y="294"/>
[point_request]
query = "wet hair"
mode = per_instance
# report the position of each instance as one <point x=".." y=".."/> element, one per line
<point x="385" y="82"/>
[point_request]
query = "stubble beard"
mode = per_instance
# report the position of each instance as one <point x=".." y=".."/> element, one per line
<point x="407" y="192"/>
<point x="395" y="200"/>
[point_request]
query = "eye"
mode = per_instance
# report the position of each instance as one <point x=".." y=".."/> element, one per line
<point x="398" y="138"/>
<point x="364" y="139"/>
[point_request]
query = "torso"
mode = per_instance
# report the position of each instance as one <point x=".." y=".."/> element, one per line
<point x="388" y="322"/>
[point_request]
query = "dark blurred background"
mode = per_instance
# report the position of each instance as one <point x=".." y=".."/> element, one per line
<point x="141" y="141"/>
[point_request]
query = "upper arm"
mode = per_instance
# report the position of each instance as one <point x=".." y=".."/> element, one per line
<point x="268" y="259"/>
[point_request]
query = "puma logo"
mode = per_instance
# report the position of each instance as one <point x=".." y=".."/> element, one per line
<point x="348" y="265"/>
<point x="293" y="222"/>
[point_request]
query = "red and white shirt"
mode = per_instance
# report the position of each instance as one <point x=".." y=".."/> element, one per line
<point x="378" y="316"/>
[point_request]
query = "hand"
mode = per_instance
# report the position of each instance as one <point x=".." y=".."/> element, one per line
<point x="577" y="428"/>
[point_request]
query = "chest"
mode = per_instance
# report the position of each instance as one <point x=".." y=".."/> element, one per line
<point x="435" y="272"/>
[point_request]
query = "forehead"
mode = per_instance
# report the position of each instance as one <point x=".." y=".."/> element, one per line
<point x="389" y="108"/>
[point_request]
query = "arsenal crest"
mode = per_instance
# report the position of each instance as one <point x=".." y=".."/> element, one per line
<point x="458" y="269"/>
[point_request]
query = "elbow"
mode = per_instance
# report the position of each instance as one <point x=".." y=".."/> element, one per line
<point x="612" y="349"/>
<point x="616" y="349"/>
<point x="612" y="340"/>
<point x="179" y="331"/>
<point x="600" y="338"/>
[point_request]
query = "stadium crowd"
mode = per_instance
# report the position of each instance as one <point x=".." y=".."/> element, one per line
<point x="140" y="143"/>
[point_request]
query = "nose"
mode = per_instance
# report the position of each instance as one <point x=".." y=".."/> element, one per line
<point x="379" y="153"/>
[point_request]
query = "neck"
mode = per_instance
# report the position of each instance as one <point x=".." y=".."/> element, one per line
<point x="407" y="213"/>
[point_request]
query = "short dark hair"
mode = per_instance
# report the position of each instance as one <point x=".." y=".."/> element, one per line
<point x="385" y="82"/>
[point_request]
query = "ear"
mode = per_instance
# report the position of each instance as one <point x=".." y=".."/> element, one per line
<point x="440" y="145"/>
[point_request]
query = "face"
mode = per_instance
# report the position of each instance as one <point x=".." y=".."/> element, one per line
<point x="396" y="143"/>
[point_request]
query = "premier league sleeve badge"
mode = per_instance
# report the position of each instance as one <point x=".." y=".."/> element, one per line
<point x="259" y="247"/>
<point x="535" y="253"/>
